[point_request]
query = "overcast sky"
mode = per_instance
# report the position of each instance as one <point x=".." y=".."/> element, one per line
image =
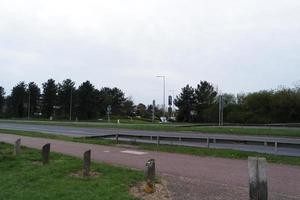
<point x="240" y="46"/>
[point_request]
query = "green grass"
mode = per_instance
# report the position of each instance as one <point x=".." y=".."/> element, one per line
<point x="261" y="131"/>
<point x="23" y="178"/>
<point x="221" y="153"/>
<point x="197" y="151"/>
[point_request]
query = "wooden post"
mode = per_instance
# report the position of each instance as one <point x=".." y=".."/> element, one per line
<point x="86" y="163"/>
<point x="258" y="187"/>
<point x="45" y="153"/>
<point x="17" y="148"/>
<point x="150" y="176"/>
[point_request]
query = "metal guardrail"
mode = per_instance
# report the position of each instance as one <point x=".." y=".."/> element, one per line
<point x="270" y="142"/>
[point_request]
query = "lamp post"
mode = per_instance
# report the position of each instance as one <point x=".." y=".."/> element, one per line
<point x="164" y="94"/>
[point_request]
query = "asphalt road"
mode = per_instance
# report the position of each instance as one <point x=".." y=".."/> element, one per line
<point x="189" y="177"/>
<point x="79" y="132"/>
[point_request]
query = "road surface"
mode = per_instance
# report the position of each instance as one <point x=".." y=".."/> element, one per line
<point x="79" y="132"/>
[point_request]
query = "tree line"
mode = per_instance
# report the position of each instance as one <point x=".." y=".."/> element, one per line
<point x="64" y="101"/>
<point x="193" y="104"/>
<point x="201" y="104"/>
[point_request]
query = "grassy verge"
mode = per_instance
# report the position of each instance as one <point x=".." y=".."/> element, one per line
<point x="23" y="177"/>
<point x="232" y="154"/>
<point x="255" y="131"/>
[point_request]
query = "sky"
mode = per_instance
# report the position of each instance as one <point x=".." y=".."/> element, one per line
<point x="239" y="46"/>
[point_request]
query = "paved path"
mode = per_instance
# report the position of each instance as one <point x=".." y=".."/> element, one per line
<point x="190" y="177"/>
<point x="78" y="132"/>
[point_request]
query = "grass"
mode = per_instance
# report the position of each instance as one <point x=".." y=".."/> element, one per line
<point x="255" y="131"/>
<point x="197" y="151"/>
<point x="23" y="178"/>
<point x="221" y="153"/>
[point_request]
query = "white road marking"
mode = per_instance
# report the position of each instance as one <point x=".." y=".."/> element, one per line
<point x="106" y="151"/>
<point x="134" y="152"/>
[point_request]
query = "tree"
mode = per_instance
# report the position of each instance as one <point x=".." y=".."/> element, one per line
<point x="66" y="92"/>
<point x="34" y="91"/>
<point x="205" y="96"/>
<point x="114" y="97"/>
<point x="157" y="111"/>
<point x="88" y="97"/>
<point x="17" y="101"/>
<point x="2" y="99"/>
<point x="128" y="108"/>
<point x="186" y="104"/>
<point x="141" y="110"/>
<point x="228" y="99"/>
<point x="49" y="97"/>
<point x="285" y="106"/>
<point x="258" y="106"/>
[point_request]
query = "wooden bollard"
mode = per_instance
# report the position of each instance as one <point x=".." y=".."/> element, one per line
<point x="150" y="176"/>
<point x="86" y="163"/>
<point x="17" y="147"/>
<point x="45" y="153"/>
<point x="157" y="140"/>
<point x="258" y="186"/>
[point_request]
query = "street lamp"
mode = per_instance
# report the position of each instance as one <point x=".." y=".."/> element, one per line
<point x="164" y="92"/>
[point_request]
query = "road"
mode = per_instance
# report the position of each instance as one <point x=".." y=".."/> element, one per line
<point x="189" y="177"/>
<point x="79" y="132"/>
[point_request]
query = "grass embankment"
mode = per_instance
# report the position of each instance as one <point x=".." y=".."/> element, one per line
<point x="254" y="131"/>
<point x="23" y="177"/>
<point x="197" y="151"/>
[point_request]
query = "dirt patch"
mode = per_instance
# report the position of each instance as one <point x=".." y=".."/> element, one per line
<point x="79" y="174"/>
<point x="161" y="191"/>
